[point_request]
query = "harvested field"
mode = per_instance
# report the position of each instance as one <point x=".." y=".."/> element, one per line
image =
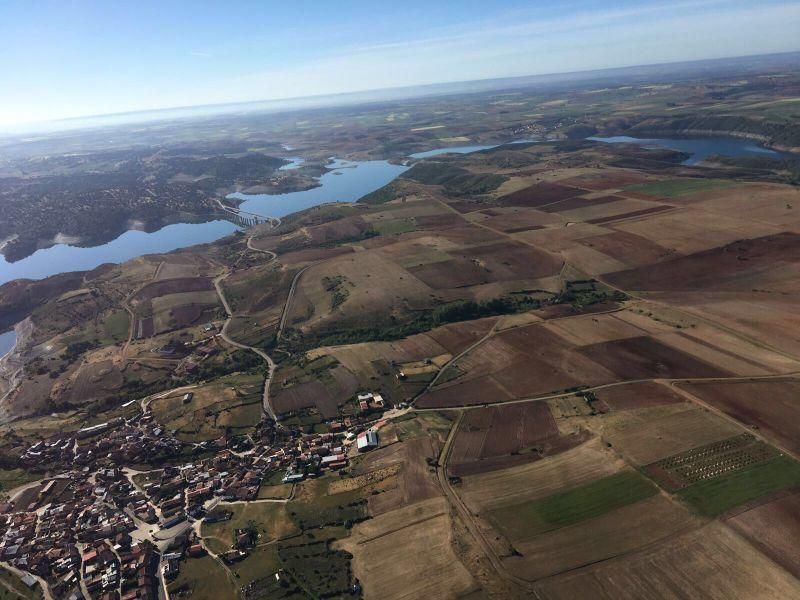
<point x="771" y="406"/>
<point x="416" y="480"/>
<point x="630" y="215"/>
<point x="647" y="358"/>
<point x="646" y="435"/>
<point x="407" y="553"/>
<point x="512" y="220"/>
<point x="673" y="188"/>
<point x="593" y="329"/>
<point x="646" y="394"/>
<point x="615" y="533"/>
<point x="578" y="202"/>
<point x="93" y="382"/>
<point x="313" y="255"/>
<point x="774" y="528"/>
<point x="173" y="286"/>
<point x="711" y="562"/>
<point x="306" y="395"/>
<point x="607" y="179"/>
<point x="489" y="491"/>
<point x="488" y="263"/>
<point x="540" y="194"/>
<point x="498" y="437"/>
<point x="482" y="390"/>
<point x="457" y="337"/>
<point x="739" y="265"/>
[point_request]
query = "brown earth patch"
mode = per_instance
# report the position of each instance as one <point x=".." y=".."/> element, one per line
<point x="646" y="358"/>
<point x="629" y="248"/>
<point x="739" y="265"/>
<point x="773" y="407"/>
<point x="574" y="203"/>
<point x="774" y="528"/>
<point x="613" y="534"/>
<point x="540" y="194"/>
<point x="646" y="394"/>
<point x="306" y="395"/>
<point x="482" y="390"/>
<point x="629" y="215"/>
<point x="313" y="254"/>
<point x="173" y="286"/>
<point x="711" y="562"/>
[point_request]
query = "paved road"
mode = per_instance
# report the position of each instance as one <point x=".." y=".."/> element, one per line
<point x="224" y="335"/>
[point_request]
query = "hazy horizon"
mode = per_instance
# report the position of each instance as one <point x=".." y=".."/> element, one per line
<point x="89" y="58"/>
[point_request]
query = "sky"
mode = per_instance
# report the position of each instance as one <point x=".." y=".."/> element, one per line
<point x="70" y="58"/>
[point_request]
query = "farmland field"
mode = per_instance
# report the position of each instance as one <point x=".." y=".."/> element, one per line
<point x="521" y="521"/>
<point x="715" y="496"/>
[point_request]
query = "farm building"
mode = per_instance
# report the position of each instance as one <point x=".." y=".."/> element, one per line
<point x="367" y="441"/>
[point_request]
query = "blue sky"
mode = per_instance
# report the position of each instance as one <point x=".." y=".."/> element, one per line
<point x="73" y="58"/>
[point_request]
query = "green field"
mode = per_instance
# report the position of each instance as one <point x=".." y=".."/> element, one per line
<point x="11" y="587"/>
<point x="270" y="519"/>
<point x="12" y="478"/>
<point x="116" y="326"/>
<point x="202" y="579"/>
<point x="262" y="562"/>
<point x="395" y="226"/>
<point x="715" y="496"/>
<point x="573" y="506"/>
<point x="678" y="187"/>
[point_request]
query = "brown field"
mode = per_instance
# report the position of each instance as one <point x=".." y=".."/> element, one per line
<point x="774" y="528"/>
<point x="638" y="395"/>
<point x="770" y="406"/>
<point x="313" y="254"/>
<point x="306" y="395"/>
<point x="578" y="202"/>
<point x="512" y="220"/>
<point x="488" y="491"/>
<point x="631" y="249"/>
<point x="93" y="381"/>
<point x="348" y="227"/>
<point x="646" y="435"/>
<point x="498" y="437"/>
<point x="173" y="286"/>
<point x="481" y="390"/>
<point x="407" y="553"/>
<point x="647" y="358"/>
<point x="416" y="480"/>
<point x="693" y="229"/>
<point x="457" y="337"/>
<point x="737" y="266"/>
<point x="616" y="533"/>
<point x="712" y="562"/>
<point x="540" y="194"/>
<point x="630" y="215"/>
<point x="607" y="179"/>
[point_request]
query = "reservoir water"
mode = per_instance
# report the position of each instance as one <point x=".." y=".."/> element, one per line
<point x="7" y="341"/>
<point x="699" y="148"/>
<point x="346" y="182"/>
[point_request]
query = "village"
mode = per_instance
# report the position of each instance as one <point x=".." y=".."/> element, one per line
<point x="103" y="529"/>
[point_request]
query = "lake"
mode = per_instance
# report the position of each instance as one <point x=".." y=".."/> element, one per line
<point x="346" y="183"/>
<point x="7" y="341"/>
<point x="699" y="148"/>
<point x="465" y="149"/>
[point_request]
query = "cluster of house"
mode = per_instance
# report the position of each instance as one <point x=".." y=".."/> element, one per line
<point x="71" y="533"/>
<point x="116" y="442"/>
